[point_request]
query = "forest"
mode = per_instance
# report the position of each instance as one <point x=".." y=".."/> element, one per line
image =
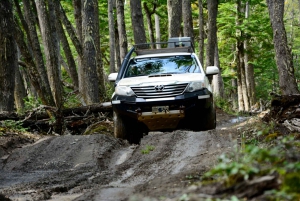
<point x="59" y="53"/>
<point x="55" y="58"/>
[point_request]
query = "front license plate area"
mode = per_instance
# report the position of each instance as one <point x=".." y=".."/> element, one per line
<point x="160" y="109"/>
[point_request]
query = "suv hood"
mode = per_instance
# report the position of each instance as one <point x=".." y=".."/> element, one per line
<point x="166" y="79"/>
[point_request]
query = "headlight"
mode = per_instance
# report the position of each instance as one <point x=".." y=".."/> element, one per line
<point x="195" y="86"/>
<point x="124" y="91"/>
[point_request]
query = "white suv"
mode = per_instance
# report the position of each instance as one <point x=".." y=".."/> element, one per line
<point x="162" y="90"/>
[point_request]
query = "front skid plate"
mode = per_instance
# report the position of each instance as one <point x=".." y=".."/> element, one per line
<point x="161" y="121"/>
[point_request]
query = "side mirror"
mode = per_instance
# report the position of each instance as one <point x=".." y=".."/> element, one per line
<point x="112" y="77"/>
<point x="212" y="70"/>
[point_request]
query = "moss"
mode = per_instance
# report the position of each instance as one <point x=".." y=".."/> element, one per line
<point x="291" y="182"/>
<point x="271" y="137"/>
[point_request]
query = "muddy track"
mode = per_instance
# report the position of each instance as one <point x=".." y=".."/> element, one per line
<point x="100" y="167"/>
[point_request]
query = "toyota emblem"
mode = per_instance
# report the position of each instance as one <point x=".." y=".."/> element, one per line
<point x="159" y="87"/>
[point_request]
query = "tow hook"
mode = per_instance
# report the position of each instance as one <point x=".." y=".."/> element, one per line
<point x="139" y="112"/>
<point x="181" y="109"/>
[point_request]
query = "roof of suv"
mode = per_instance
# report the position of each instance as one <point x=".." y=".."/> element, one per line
<point x="161" y="55"/>
<point x="174" y="45"/>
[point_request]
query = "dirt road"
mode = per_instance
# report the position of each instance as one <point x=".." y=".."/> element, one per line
<point x="100" y="167"/>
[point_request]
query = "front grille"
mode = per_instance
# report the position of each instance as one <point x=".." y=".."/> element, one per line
<point x="159" y="91"/>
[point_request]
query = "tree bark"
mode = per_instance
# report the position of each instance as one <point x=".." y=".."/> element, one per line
<point x="284" y="60"/>
<point x="66" y="47"/>
<point x="201" y="32"/>
<point x="187" y="19"/>
<point x="137" y="22"/>
<point x="91" y="87"/>
<point x="50" y="42"/>
<point x="218" y="84"/>
<point x="157" y="31"/>
<point x="174" y="17"/>
<point x="149" y="13"/>
<point x="37" y="53"/>
<point x="8" y="57"/>
<point x="249" y="71"/>
<point x="112" y="46"/>
<point x="100" y="70"/>
<point x="19" y="91"/>
<point x="121" y="29"/>
<point x="212" y="7"/>
<point x="31" y="70"/>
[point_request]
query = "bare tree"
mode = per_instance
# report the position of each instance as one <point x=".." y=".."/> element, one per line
<point x="8" y="57"/>
<point x="284" y="60"/>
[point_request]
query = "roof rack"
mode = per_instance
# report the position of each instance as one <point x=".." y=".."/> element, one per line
<point x="180" y="44"/>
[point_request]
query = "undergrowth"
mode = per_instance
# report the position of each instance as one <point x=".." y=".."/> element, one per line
<point x="263" y="151"/>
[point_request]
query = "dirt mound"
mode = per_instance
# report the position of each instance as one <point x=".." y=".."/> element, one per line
<point x="101" y="167"/>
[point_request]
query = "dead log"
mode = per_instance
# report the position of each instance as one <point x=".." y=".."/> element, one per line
<point x="40" y="113"/>
<point x="283" y="108"/>
<point x="75" y="120"/>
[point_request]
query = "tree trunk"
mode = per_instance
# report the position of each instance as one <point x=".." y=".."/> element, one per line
<point x="66" y="47"/>
<point x="218" y="84"/>
<point x="137" y="22"/>
<point x="51" y="50"/>
<point x="76" y="37"/>
<point x="121" y="29"/>
<point x="100" y="70"/>
<point x="157" y="31"/>
<point x="8" y="57"/>
<point x="212" y="7"/>
<point x="241" y="80"/>
<point x="149" y="21"/>
<point x="37" y="53"/>
<point x="19" y="91"/>
<point x="111" y="27"/>
<point x="174" y="17"/>
<point x="201" y="32"/>
<point x="91" y="88"/>
<point x="29" y="64"/>
<point x="187" y="19"/>
<point x="249" y="71"/>
<point x="284" y="60"/>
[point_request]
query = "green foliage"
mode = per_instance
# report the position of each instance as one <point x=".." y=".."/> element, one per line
<point x="147" y="149"/>
<point x="223" y="104"/>
<point x="273" y="154"/>
<point x="12" y="125"/>
<point x="31" y="102"/>
<point x="257" y="31"/>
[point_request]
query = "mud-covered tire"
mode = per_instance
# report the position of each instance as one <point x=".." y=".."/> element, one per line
<point x="119" y="126"/>
<point x="209" y="122"/>
<point x="127" y="129"/>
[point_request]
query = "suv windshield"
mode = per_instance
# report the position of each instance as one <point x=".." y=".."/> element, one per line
<point x="162" y="65"/>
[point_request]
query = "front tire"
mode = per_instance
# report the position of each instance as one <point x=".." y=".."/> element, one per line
<point x="127" y="129"/>
<point x="209" y="122"/>
<point x="119" y="126"/>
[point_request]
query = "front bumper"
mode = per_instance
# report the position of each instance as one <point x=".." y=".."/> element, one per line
<point x="180" y="107"/>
